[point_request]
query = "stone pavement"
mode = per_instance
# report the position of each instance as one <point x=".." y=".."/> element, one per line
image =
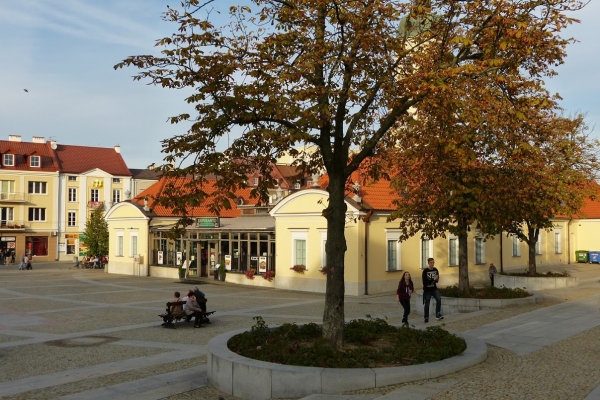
<point x="69" y="334"/>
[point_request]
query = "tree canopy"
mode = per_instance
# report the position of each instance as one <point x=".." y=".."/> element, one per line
<point x="340" y="75"/>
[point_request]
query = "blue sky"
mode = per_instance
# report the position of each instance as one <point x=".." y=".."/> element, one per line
<point x="63" y="52"/>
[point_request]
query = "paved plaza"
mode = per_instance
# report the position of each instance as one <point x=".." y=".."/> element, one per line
<point x="67" y="333"/>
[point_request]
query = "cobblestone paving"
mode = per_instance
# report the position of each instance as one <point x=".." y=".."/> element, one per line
<point x="61" y="320"/>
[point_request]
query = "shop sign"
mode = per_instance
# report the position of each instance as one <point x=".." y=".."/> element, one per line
<point x="208" y="222"/>
<point x="8" y="238"/>
<point x="71" y="236"/>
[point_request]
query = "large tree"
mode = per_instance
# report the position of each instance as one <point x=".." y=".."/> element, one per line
<point x="335" y="74"/>
<point x="96" y="232"/>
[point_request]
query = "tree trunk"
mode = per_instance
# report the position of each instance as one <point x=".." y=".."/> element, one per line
<point x="335" y="248"/>
<point x="463" y="256"/>
<point x="532" y="234"/>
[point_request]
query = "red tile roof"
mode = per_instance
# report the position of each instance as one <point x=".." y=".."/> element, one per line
<point x="199" y="211"/>
<point x="79" y="159"/>
<point x="22" y="152"/>
<point x="377" y="195"/>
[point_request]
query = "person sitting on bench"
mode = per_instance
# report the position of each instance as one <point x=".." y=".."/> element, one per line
<point x="192" y="308"/>
<point x="201" y="300"/>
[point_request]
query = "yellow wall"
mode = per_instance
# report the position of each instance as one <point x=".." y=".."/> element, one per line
<point x="126" y="220"/>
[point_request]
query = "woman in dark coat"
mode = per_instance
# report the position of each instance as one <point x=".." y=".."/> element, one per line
<point x="405" y="289"/>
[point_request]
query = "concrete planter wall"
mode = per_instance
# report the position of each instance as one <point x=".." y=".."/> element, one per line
<point x="454" y="304"/>
<point x="251" y="379"/>
<point x="534" y="282"/>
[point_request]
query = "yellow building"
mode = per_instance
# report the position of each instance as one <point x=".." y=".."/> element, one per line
<point x="90" y="178"/>
<point x="29" y="176"/>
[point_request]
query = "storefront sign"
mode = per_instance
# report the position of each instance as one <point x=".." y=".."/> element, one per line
<point x="8" y="238"/>
<point x="262" y="264"/>
<point x="83" y="248"/>
<point x="228" y="262"/>
<point x="62" y="247"/>
<point x="208" y="222"/>
<point x="71" y="236"/>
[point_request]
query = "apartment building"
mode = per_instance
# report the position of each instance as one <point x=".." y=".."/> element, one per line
<point x="90" y="178"/>
<point x="29" y="181"/>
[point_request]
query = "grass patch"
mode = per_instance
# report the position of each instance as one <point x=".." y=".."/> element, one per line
<point x="369" y="343"/>
<point x="487" y="292"/>
<point x="540" y="275"/>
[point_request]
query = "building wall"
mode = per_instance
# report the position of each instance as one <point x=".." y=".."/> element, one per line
<point x="32" y="230"/>
<point x="83" y="205"/>
<point x="584" y="236"/>
<point x="126" y="222"/>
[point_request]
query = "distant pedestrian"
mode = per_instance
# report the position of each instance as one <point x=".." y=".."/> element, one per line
<point x="430" y="277"/>
<point x="24" y="260"/>
<point x="493" y="271"/>
<point x="405" y="289"/>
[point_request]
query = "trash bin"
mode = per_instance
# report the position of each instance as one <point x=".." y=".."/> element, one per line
<point x="594" y="257"/>
<point x="582" y="256"/>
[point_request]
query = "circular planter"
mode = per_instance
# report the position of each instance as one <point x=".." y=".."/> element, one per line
<point x="462" y="305"/>
<point x="535" y="282"/>
<point x="252" y="379"/>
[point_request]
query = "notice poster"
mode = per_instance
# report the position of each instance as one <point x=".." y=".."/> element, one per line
<point x="179" y="257"/>
<point x="262" y="264"/>
<point x="62" y="247"/>
<point x="160" y="258"/>
<point x="228" y="262"/>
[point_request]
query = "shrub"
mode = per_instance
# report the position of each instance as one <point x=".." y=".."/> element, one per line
<point x="250" y="273"/>
<point x="370" y="343"/>
<point x="299" y="268"/>
<point x="269" y="275"/>
<point x="487" y="292"/>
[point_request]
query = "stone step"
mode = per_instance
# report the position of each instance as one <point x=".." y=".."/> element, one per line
<point x="408" y="392"/>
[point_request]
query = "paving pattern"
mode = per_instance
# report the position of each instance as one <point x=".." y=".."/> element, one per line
<point x="67" y="333"/>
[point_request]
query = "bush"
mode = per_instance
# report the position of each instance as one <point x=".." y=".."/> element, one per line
<point x="370" y="343"/>
<point x="487" y="292"/>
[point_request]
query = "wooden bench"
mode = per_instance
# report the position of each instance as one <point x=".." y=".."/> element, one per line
<point x="169" y="317"/>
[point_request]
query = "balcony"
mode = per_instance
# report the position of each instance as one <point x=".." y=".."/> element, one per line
<point x="6" y="197"/>
<point x="12" y="226"/>
<point x="95" y="204"/>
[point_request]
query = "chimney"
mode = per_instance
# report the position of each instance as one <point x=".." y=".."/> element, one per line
<point x="53" y="145"/>
<point x="38" y="139"/>
<point x="118" y="148"/>
<point x="14" y="138"/>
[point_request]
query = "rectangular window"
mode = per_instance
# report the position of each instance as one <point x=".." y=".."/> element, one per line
<point x="9" y="160"/>
<point x="37" y="214"/>
<point x="119" y="252"/>
<point x="479" y="251"/>
<point x="72" y="178"/>
<point x="453" y="251"/>
<point x="297" y="185"/>
<point x="36" y="245"/>
<point x="516" y="247"/>
<point x="538" y="244"/>
<point x="393" y="258"/>
<point x="71" y="246"/>
<point x="426" y="251"/>
<point x="300" y="252"/>
<point x="36" y="187"/>
<point x="557" y="242"/>
<point x="6" y="215"/>
<point x="72" y="194"/>
<point x="133" y="249"/>
<point x="95" y="195"/>
<point x="34" y="161"/>
<point x="7" y="188"/>
<point x="72" y="218"/>
<point x="255" y="181"/>
<point x="116" y="195"/>
<point x="116" y="180"/>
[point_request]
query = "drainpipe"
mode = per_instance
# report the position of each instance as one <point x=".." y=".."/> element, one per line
<point x="501" y="253"/>
<point x="60" y="205"/>
<point x="569" y="241"/>
<point x="367" y="218"/>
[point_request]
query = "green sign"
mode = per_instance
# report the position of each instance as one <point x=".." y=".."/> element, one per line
<point x="83" y="249"/>
<point x="208" y="222"/>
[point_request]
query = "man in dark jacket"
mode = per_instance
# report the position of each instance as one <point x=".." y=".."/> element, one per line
<point x="430" y="277"/>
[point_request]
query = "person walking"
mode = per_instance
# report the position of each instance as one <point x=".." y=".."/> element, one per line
<point x="24" y="260"/>
<point x="430" y="277"/>
<point x="493" y="271"/>
<point x="405" y="289"/>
